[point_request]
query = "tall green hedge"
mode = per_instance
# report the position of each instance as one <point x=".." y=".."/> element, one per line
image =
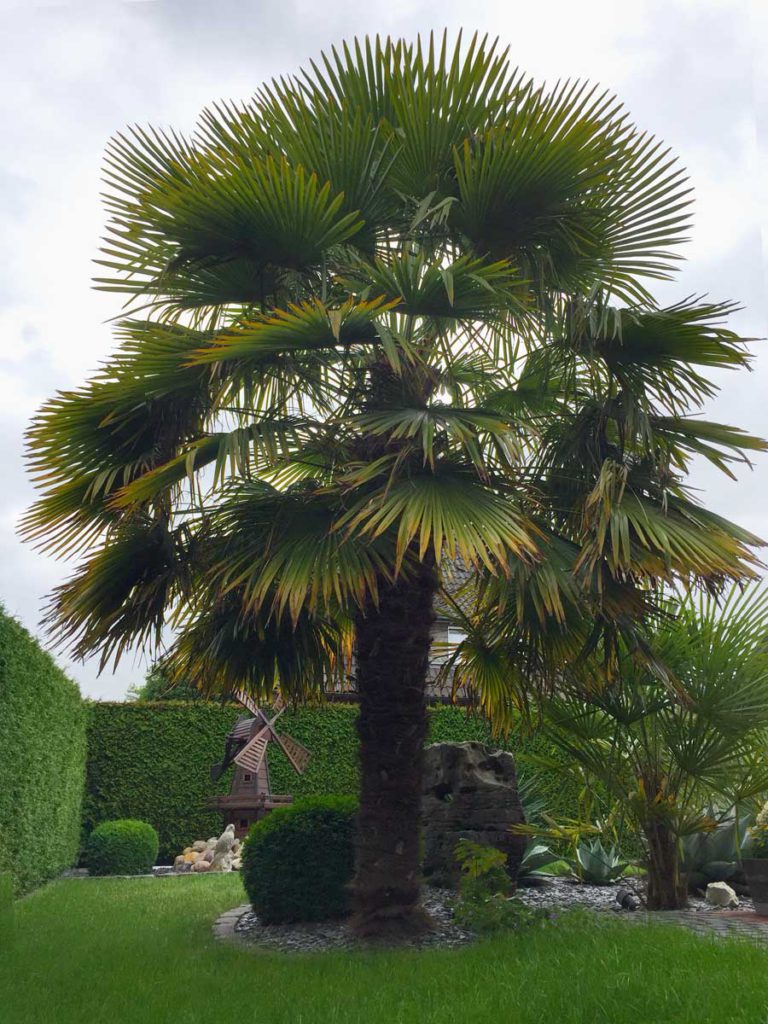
<point x="42" y="759"/>
<point x="152" y="760"/>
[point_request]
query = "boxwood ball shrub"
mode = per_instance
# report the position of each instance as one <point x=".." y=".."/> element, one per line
<point x="298" y="860"/>
<point x="126" y="847"/>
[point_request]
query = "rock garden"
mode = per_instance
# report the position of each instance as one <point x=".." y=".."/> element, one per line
<point x="214" y="854"/>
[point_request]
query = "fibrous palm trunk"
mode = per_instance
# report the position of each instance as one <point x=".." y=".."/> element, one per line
<point x="666" y="888"/>
<point x="393" y="641"/>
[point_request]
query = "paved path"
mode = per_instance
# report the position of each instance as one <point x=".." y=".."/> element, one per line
<point x="743" y="924"/>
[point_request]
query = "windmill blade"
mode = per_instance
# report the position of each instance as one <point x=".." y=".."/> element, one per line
<point x="252" y="754"/>
<point x="296" y="752"/>
<point x="248" y="703"/>
<point x="278" y="704"/>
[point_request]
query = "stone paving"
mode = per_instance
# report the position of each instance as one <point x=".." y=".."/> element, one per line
<point x="225" y="927"/>
<point x="744" y="924"/>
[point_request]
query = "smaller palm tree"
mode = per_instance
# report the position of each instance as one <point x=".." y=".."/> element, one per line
<point x="667" y="750"/>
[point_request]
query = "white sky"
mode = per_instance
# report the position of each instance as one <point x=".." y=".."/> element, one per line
<point x="73" y="73"/>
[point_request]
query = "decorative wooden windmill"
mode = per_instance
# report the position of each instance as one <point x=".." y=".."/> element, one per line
<point x="250" y="796"/>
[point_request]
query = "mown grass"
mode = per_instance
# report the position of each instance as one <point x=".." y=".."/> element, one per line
<point x="115" y="951"/>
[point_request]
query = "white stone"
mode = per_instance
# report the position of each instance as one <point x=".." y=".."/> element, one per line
<point x="720" y="894"/>
<point x="198" y="846"/>
<point x="201" y="865"/>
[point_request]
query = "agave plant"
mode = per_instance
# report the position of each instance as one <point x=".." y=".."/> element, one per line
<point x="715" y="855"/>
<point x="597" y="864"/>
<point x="535" y="857"/>
<point x="390" y="311"/>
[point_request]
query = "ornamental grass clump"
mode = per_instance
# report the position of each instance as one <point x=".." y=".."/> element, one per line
<point x="125" y="847"/>
<point x="298" y="861"/>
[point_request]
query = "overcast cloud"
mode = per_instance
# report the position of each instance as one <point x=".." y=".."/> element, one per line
<point x="74" y="73"/>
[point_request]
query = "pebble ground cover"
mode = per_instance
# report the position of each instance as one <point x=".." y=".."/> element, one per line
<point x="124" y="951"/>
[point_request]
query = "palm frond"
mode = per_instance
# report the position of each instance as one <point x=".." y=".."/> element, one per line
<point x="449" y="512"/>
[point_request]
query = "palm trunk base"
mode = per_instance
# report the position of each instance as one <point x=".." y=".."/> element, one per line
<point x="389" y="916"/>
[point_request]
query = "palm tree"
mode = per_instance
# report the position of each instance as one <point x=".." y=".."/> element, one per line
<point x="665" y="753"/>
<point x="389" y="312"/>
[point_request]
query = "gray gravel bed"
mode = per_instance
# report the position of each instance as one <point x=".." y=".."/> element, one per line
<point x="560" y="894"/>
<point x="313" y="937"/>
<point x="567" y="894"/>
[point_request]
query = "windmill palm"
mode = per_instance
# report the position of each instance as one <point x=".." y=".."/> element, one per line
<point x="390" y="312"/>
<point x="667" y="755"/>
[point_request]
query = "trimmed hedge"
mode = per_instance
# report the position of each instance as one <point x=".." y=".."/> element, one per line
<point x="299" y="860"/>
<point x="151" y="761"/>
<point x="42" y="761"/>
<point x="126" y="847"/>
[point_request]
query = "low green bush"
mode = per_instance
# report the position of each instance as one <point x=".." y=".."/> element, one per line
<point x="298" y="861"/>
<point x="124" y="847"/>
<point x="484" y="905"/>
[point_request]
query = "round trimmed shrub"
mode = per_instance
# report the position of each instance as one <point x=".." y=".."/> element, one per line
<point x="124" y="847"/>
<point x="298" y="860"/>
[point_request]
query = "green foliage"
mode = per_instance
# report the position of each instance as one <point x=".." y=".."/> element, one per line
<point x="151" y="761"/>
<point x="665" y="748"/>
<point x="6" y="906"/>
<point x="126" y="847"/>
<point x="483" y="905"/>
<point x="483" y="871"/>
<point x="536" y="856"/>
<point x="298" y="861"/>
<point x="401" y="307"/>
<point x="759" y="835"/>
<point x="140" y="951"/>
<point x="42" y="756"/>
<point x="597" y="864"/>
<point x="158" y="685"/>
<point x="715" y="854"/>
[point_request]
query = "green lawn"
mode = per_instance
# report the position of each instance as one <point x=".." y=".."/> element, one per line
<point x="113" y="951"/>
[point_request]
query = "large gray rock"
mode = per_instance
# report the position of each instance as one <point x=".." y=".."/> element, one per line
<point x="470" y="792"/>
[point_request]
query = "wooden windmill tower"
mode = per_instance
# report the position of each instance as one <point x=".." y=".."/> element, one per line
<point x="250" y="796"/>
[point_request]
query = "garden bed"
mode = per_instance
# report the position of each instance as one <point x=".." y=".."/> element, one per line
<point x="558" y="896"/>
